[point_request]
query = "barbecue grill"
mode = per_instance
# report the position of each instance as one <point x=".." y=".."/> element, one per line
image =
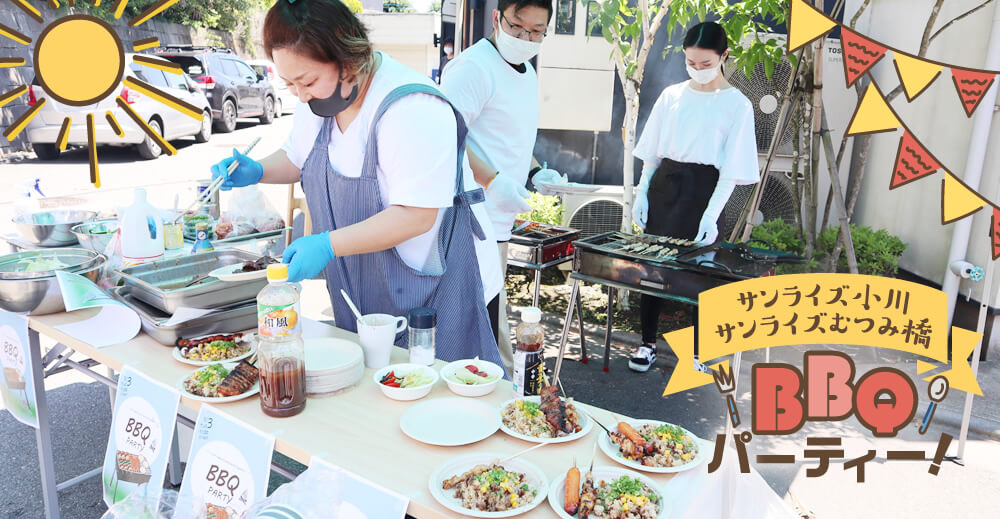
<point x="538" y="246"/>
<point x="661" y="267"/>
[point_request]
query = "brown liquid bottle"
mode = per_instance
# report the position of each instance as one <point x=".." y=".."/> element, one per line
<point x="280" y="352"/>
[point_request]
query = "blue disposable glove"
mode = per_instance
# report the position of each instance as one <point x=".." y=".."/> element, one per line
<point x="247" y="173"/>
<point x="308" y="256"/>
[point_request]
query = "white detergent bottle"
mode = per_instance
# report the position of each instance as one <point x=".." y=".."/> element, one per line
<point x="28" y="201"/>
<point x="141" y="231"/>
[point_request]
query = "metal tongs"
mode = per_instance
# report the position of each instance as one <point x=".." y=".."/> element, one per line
<point x="216" y="184"/>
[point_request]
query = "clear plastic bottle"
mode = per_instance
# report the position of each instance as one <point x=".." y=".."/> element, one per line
<point x="529" y="367"/>
<point x="280" y="352"/>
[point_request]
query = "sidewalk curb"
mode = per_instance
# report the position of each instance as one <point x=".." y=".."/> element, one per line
<point x="985" y="427"/>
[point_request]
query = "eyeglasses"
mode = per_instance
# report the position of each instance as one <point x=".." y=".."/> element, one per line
<point x="522" y="33"/>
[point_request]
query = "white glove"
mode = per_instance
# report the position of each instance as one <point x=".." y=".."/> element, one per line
<point x="543" y="178"/>
<point x="708" y="231"/>
<point x="640" y="206"/>
<point x="506" y="195"/>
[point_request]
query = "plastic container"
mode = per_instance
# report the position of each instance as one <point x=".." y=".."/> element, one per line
<point x="280" y="351"/>
<point x="28" y="201"/>
<point x="423" y="328"/>
<point x="201" y="243"/>
<point x="141" y="229"/>
<point x="529" y="367"/>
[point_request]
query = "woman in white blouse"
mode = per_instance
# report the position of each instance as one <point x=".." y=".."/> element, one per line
<point x="697" y="146"/>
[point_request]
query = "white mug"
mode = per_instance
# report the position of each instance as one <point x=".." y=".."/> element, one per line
<point x="378" y="333"/>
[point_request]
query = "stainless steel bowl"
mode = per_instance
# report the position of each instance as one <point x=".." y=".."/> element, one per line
<point x="95" y="242"/>
<point x="53" y="228"/>
<point x="38" y="293"/>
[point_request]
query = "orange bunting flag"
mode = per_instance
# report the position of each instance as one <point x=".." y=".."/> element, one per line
<point x="860" y="54"/>
<point x="995" y="233"/>
<point x="913" y="161"/>
<point x="972" y="86"/>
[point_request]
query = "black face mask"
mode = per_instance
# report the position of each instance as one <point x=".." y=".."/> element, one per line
<point x="334" y="104"/>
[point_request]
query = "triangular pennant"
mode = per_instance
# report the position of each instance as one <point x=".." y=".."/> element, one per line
<point x="957" y="199"/>
<point x="806" y="23"/>
<point x="995" y="233"/>
<point x="915" y="74"/>
<point x="960" y="376"/>
<point x="860" y="54"/>
<point x="913" y="161"/>
<point x="972" y="86"/>
<point x="924" y="367"/>
<point x="873" y="115"/>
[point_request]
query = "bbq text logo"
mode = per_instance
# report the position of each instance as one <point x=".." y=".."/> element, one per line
<point x="805" y="309"/>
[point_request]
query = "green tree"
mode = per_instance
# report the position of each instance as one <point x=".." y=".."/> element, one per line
<point x="354" y="5"/>
<point x="436" y="6"/>
<point x="397" y="6"/>
<point x="630" y="26"/>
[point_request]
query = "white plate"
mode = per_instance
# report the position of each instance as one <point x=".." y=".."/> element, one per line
<point x="253" y="349"/>
<point x="585" y="425"/>
<point x="232" y="273"/>
<point x="557" y="492"/>
<point x="329" y="356"/>
<point x="449" y="422"/>
<point x="223" y="399"/>
<point x="535" y="479"/>
<point x="570" y="187"/>
<point x="611" y="450"/>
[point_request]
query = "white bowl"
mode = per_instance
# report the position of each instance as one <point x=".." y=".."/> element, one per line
<point x="461" y="389"/>
<point x="407" y="393"/>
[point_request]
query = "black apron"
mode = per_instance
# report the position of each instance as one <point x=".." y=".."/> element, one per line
<point x="678" y="195"/>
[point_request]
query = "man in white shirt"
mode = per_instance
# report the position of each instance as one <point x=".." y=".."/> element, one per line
<point x="495" y="88"/>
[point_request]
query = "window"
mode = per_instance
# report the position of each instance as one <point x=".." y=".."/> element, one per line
<point x="149" y="75"/>
<point x="593" y="13"/>
<point x="246" y="71"/>
<point x="175" y="81"/>
<point x="190" y="64"/>
<point x="566" y="17"/>
<point x="229" y="68"/>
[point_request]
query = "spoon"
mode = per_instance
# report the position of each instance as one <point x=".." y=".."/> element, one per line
<point x="351" y="304"/>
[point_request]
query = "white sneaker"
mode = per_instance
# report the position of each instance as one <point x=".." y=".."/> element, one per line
<point x="643" y="359"/>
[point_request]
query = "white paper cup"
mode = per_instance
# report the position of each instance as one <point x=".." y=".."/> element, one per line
<point x="378" y="333"/>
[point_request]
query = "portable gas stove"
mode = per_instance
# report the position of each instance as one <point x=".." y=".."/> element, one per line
<point x="538" y="246"/>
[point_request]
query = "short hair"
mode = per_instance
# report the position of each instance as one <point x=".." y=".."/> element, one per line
<point x="324" y="30"/>
<point x="502" y="5"/>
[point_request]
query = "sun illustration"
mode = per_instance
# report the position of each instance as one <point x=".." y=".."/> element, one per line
<point x="79" y="60"/>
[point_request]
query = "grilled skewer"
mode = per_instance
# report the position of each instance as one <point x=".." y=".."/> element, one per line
<point x="554" y="409"/>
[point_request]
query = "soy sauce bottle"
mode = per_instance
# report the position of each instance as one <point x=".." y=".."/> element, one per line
<point x="529" y="366"/>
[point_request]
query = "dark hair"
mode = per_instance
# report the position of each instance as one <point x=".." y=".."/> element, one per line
<point x="502" y="5"/>
<point x="707" y="35"/>
<point x="448" y="40"/>
<point x="324" y="30"/>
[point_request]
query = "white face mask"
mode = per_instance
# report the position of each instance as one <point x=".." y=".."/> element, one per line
<point x="515" y="50"/>
<point x="448" y="50"/>
<point x="704" y="76"/>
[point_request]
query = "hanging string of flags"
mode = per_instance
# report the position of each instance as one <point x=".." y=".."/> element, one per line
<point x="874" y="114"/>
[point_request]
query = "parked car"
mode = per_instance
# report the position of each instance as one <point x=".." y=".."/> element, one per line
<point x="43" y="130"/>
<point x="233" y="88"/>
<point x="285" y="101"/>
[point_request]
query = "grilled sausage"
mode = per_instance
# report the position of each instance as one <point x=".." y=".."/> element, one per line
<point x="572" y="500"/>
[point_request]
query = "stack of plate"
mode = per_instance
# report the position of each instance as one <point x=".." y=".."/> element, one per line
<point x="332" y="365"/>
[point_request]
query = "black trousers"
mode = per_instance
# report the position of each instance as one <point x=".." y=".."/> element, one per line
<point x="678" y="195"/>
<point x="493" y="308"/>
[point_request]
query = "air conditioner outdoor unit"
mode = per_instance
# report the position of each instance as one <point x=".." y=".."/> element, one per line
<point x="594" y="213"/>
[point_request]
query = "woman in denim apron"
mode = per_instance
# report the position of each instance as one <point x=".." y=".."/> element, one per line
<point x="378" y="151"/>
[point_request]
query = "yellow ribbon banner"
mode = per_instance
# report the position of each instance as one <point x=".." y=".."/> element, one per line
<point x="821" y="309"/>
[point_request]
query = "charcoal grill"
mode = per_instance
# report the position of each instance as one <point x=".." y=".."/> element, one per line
<point x="538" y="246"/>
<point x="607" y="259"/>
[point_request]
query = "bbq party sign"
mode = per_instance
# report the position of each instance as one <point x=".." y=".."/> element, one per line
<point x="808" y="309"/>
<point x="17" y="383"/>
<point x="142" y="432"/>
<point x="228" y="467"/>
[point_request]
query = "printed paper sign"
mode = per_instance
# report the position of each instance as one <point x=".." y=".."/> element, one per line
<point x="116" y="323"/>
<point x="17" y="383"/>
<point x="142" y="431"/>
<point x="227" y="470"/>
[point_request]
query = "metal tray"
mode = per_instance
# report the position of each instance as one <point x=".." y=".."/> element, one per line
<point x="231" y="319"/>
<point x="161" y="283"/>
<point x="236" y="239"/>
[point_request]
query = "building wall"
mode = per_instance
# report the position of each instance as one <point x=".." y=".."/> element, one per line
<point x="912" y="212"/>
<point x="407" y="37"/>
